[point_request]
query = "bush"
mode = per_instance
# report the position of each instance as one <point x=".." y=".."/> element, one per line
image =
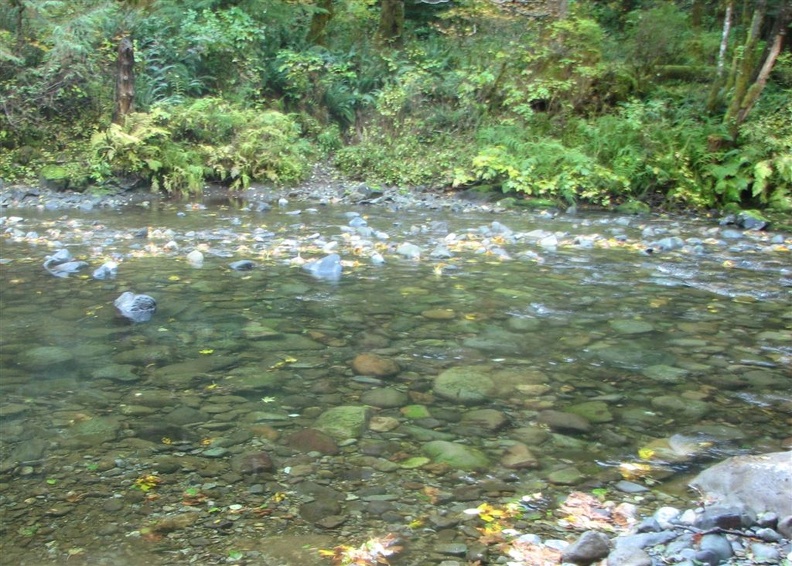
<point x="179" y="148"/>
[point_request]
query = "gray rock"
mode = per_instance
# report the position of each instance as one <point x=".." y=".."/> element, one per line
<point x="410" y="251"/>
<point x="718" y="545"/>
<point x="107" y="270"/>
<point x="628" y="556"/>
<point x="644" y="540"/>
<point x="384" y="398"/>
<point x="765" y="553"/>
<point x="590" y="547"/>
<point x="137" y="308"/>
<point x="242" y="265"/>
<point x="328" y="268"/>
<point x="758" y="483"/>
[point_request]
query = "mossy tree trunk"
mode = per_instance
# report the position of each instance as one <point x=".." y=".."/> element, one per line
<point x="125" y="80"/>
<point x="321" y="17"/>
<point x="750" y="78"/>
<point x="391" y="24"/>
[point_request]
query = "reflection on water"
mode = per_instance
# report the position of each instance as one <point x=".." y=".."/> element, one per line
<point x="598" y="354"/>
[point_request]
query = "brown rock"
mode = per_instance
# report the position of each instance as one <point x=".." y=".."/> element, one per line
<point x="252" y="463"/>
<point x="374" y="365"/>
<point x="312" y="440"/>
<point x="519" y="456"/>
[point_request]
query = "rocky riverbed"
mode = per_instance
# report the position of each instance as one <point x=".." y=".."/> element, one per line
<point x="454" y="395"/>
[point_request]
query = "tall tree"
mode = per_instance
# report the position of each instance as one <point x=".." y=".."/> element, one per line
<point x="391" y="24"/>
<point x="323" y="13"/>
<point x="751" y="77"/>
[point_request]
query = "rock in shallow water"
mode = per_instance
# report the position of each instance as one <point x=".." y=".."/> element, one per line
<point x="137" y="308"/>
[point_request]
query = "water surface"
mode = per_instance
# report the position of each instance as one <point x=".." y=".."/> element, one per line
<point x="673" y="358"/>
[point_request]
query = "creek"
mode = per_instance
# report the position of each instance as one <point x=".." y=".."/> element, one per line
<point x="263" y="414"/>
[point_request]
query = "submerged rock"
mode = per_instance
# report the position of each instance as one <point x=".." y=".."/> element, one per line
<point x="329" y="267"/>
<point x="457" y="456"/>
<point x="137" y="308"/>
<point x="467" y="385"/>
<point x="242" y="265"/>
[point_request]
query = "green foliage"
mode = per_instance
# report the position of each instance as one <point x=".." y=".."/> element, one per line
<point x="543" y="168"/>
<point x="179" y="148"/>
<point x="143" y="148"/>
<point x="381" y="159"/>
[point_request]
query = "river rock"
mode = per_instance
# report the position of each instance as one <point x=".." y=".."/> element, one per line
<point x="593" y="411"/>
<point x="673" y="405"/>
<point x="344" y="422"/>
<point x="186" y="415"/>
<point x="590" y="547"/>
<point x="43" y="357"/>
<point x="490" y="420"/>
<point x="116" y="372"/>
<point x="519" y="456"/>
<point x="196" y="259"/>
<point x="629" y="556"/>
<point x="252" y="463"/>
<point x="564" y="422"/>
<point x="312" y="440"/>
<point x="457" y="456"/>
<point x="631" y="326"/>
<point x="664" y="373"/>
<point x="374" y="365"/>
<point x="384" y="398"/>
<point x="91" y="432"/>
<point x="468" y="385"/>
<point x="136" y="308"/>
<point x="758" y="483"/>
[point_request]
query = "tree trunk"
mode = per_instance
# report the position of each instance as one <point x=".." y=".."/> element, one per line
<point x="746" y="66"/>
<point x="319" y="21"/>
<point x="391" y="25"/>
<point x="753" y="93"/>
<point x="727" y="22"/>
<point x="717" y="85"/>
<point x="125" y="80"/>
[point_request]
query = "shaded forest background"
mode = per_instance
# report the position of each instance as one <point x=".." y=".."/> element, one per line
<point x="684" y="104"/>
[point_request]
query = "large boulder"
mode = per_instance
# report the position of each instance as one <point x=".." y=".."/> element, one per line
<point x="756" y="483"/>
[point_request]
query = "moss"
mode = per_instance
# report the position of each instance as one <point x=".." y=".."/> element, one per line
<point x="633" y="207"/>
<point x="54" y="177"/>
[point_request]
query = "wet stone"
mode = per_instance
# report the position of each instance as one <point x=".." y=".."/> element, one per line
<point x="312" y="440"/>
<point x="593" y="411"/>
<point x="384" y="398"/>
<point x="468" y="385"/>
<point x="374" y="365"/>
<point x="457" y="456"/>
<point x="564" y="422"/>
<point x="631" y="326"/>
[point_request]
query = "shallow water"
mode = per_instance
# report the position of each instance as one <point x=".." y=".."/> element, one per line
<point x="675" y="358"/>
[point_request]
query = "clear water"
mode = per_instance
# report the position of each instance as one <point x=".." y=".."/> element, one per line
<point x="687" y="351"/>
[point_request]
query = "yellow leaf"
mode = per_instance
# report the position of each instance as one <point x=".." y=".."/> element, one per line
<point x="206" y="352"/>
<point x="646" y="453"/>
<point x="174" y="278"/>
